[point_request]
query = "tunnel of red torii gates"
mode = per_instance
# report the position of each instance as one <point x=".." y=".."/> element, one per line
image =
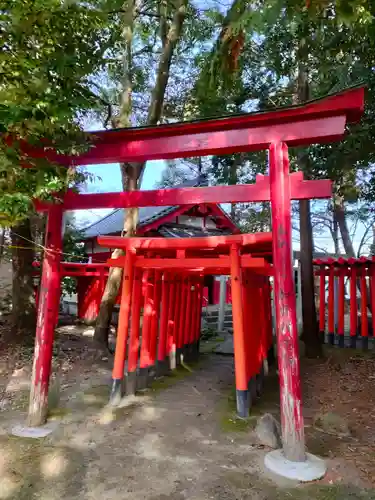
<point x="319" y="121"/>
<point x="182" y="222"/>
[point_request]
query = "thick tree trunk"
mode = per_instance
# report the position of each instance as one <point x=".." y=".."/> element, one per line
<point x="103" y="322"/>
<point x="23" y="294"/>
<point x="132" y="173"/>
<point x="310" y="334"/>
<point x="107" y="304"/>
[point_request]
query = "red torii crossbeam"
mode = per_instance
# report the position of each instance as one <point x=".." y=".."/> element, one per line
<point x="257" y="192"/>
<point x="315" y="122"/>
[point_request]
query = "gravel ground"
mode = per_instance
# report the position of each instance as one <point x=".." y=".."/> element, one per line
<point x="178" y="441"/>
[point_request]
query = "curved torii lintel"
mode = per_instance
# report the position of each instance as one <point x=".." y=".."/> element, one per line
<point x="321" y="120"/>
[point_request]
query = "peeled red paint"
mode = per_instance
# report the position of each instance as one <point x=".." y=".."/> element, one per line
<point x="285" y="305"/>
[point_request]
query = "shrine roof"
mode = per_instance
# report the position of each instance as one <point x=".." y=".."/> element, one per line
<point x="114" y="221"/>
<point x="180" y="231"/>
<point x="253" y="242"/>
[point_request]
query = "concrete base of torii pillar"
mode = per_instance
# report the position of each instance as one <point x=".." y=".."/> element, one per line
<point x="311" y="469"/>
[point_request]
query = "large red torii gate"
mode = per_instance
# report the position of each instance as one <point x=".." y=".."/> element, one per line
<point x="319" y="121"/>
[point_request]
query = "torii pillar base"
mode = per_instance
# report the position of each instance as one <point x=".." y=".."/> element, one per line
<point x="311" y="469"/>
<point x="292" y="461"/>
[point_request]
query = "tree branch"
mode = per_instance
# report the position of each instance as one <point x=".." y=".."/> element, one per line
<point x="148" y="49"/>
<point x="162" y="9"/>
<point x="158" y="92"/>
<point x="153" y="15"/>
<point x="363" y="239"/>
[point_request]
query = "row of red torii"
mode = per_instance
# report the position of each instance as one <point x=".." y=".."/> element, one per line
<point x="318" y="121"/>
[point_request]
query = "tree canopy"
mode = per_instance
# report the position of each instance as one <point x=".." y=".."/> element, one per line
<point x="50" y="52"/>
<point x="64" y="65"/>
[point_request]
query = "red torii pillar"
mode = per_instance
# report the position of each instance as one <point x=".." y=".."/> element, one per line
<point x="292" y="461"/>
<point x="48" y="309"/>
<point x="285" y="305"/>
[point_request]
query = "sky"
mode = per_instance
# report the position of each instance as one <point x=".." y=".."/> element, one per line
<point x="108" y="179"/>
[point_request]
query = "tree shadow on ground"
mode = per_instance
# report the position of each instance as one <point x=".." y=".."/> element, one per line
<point x="251" y="486"/>
<point x="33" y="469"/>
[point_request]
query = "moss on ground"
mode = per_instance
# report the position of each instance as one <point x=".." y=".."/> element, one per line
<point x="265" y="489"/>
<point x="229" y="421"/>
<point x="268" y="403"/>
<point x="181" y="372"/>
<point x="233" y="423"/>
<point x="96" y="396"/>
<point x="323" y="492"/>
<point x="93" y="397"/>
<point x="59" y="412"/>
<point x="208" y="346"/>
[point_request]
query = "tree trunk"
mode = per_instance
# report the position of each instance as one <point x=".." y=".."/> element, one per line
<point x="2" y="243"/>
<point x="310" y="334"/>
<point x="340" y="216"/>
<point x="233" y="181"/>
<point x="132" y="172"/>
<point x="103" y="322"/>
<point x="23" y="294"/>
<point x="163" y="71"/>
<point x="335" y="235"/>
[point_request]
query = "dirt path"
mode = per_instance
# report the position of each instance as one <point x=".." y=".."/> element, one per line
<point x="169" y="443"/>
<point x="166" y="444"/>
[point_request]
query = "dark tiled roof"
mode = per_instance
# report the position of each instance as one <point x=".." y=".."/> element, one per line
<point x="177" y="231"/>
<point x="113" y="222"/>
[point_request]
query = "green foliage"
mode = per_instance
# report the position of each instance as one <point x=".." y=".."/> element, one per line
<point x="254" y="217"/>
<point x="332" y="45"/>
<point x="50" y="51"/>
<point x="333" y="55"/>
<point x="73" y="251"/>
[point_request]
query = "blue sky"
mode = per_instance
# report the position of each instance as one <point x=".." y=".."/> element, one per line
<point x="109" y="180"/>
<point x="110" y="177"/>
